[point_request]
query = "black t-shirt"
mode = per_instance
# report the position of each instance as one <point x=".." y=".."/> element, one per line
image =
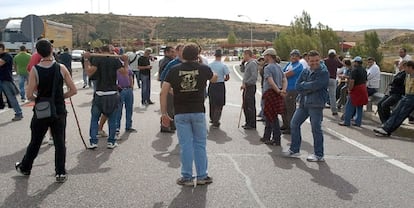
<point x="106" y="73"/>
<point x="144" y="61"/>
<point x="189" y="81"/>
<point x="359" y="75"/>
<point x="6" y="69"/>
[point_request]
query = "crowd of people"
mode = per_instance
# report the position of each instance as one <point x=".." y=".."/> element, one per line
<point x="298" y="91"/>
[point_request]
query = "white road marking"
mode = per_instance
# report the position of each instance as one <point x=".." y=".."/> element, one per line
<point x="247" y="180"/>
<point x="258" y="91"/>
<point x="371" y="151"/>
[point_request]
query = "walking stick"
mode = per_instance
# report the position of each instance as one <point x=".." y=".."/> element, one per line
<point x="241" y="109"/>
<point x="77" y="122"/>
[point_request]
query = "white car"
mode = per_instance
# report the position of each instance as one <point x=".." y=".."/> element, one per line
<point x="77" y="55"/>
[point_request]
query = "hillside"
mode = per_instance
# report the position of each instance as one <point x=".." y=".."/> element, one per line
<point x="111" y="27"/>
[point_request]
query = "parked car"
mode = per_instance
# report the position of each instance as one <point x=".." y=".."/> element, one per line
<point x="77" y="55"/>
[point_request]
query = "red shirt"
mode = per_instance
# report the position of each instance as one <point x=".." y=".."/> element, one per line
<point x="35" y="59"/>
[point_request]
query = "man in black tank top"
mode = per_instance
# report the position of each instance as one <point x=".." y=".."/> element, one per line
<point x="41" y="86"/>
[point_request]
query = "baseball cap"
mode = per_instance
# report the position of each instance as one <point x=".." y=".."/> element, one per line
<point x="295" y="52"/>
<point x="357" y="59"/>
<point x="269" y="51"/>
<point x="331" y="51"/>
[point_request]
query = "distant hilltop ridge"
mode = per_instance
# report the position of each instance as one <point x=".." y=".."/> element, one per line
<point x="88" y="27"/>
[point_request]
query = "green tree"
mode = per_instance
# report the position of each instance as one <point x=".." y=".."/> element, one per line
<point x="327" y="38"/>
<point x="302" y="36"/>
<point x="372" y="43"/>
<point x="96" y="43"/>
<point x="302" y="24"/>
<point x="369" y="48"/>
<point x="231" y="38"/>
<point x="358" y="50"/>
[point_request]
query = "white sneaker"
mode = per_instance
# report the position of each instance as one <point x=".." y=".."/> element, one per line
<point x="102" y="133"/>
<point x="50" y="141"/>
<point x="291" y="154"/>
<point x="93" y="146"/>
<point x="315" y="158"/>
<point x="111" y="145"/>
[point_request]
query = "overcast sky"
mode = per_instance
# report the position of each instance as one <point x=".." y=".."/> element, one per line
<point x="350" y="15"/>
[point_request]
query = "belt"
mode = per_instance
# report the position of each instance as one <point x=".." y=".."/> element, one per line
<point x="123" y="88"/>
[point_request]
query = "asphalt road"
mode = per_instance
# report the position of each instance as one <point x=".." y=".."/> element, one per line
<point x="361" y="170"/>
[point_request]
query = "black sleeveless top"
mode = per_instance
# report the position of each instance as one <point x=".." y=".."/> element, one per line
<point x="46" y="77"/>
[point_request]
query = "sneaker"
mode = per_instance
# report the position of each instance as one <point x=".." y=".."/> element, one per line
<point x="342" y="124"/>
<point x="283" y="128"/>
<point x="291" y="154"/>
<point x="111" y="145"/>
<point x="84" y="85"/>
<point x="50" y="141"/>
<point x="215" y="125"/>
<point x="166" y="130"/>
<point x="381" y="131"/>
<point x="286" y="132"/>
<point x="315" y="158"/>
<point x="102" y="133"/>
<point x="18" y="165"/>
<point x="129" y="130"/>
<point x="150" y="102"/>
<point x="206" y="180"/>
<point x="61" y="178"/>
<point x="273" y="142"/>
<point x="17" y="118"/>
<point x="185" y="182"/>
<point x="93" y="146"/>
<point x="264" y="140"/>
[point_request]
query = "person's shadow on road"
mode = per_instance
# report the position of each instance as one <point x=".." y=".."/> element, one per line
<point x="171" y="157"/>
<point x="21" y="198"/>
<point x="188" y="197"/>
<point x="90" y="161"/>
<point x="323" y="176"/>
<point x="218" y="135"/>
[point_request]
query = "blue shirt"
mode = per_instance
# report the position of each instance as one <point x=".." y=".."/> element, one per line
<point x="220" y="69"/>
<point x="275" y="71"/>
<point x="297" y="69"/>
<point x="168" y="68"/>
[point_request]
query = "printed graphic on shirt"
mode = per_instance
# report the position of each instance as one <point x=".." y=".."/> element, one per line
<point x="188" y="81"/>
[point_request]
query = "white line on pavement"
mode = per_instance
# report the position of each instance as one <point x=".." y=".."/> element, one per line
<point x="371" y="151"/>
<point x="247" y="180"/>
<point x="241" y="78"/>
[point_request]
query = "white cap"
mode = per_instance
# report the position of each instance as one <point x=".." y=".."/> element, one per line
<point x="331" y="51"/>
<point x="269" y="51"/>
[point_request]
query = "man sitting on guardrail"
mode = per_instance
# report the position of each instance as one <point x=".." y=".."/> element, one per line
<point x="397" y="90"/>
<point x="404" y="107"/>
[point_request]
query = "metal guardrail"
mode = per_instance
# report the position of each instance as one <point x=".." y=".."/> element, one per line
<point x="386" y="79"/>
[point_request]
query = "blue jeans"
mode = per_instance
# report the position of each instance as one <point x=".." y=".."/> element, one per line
<point x="127" y="100"/>
<point x="399" y="114"/>
<point x="146" y="88"/>
<point x="95" y="115"/>
<point x="300" y="115"/>
<point x="349" y="113"/>
<point x="192" y="137"/>
<point x="22" y="81"/>
<point x="8" y="89"/>
<point x="332" y="95"/>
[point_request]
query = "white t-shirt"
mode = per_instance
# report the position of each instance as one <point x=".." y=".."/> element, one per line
<point x="304" y="63"/>
<point x="373" y="76"/>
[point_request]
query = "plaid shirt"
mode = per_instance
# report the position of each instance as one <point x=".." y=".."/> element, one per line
<point x="274" y="104"/>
